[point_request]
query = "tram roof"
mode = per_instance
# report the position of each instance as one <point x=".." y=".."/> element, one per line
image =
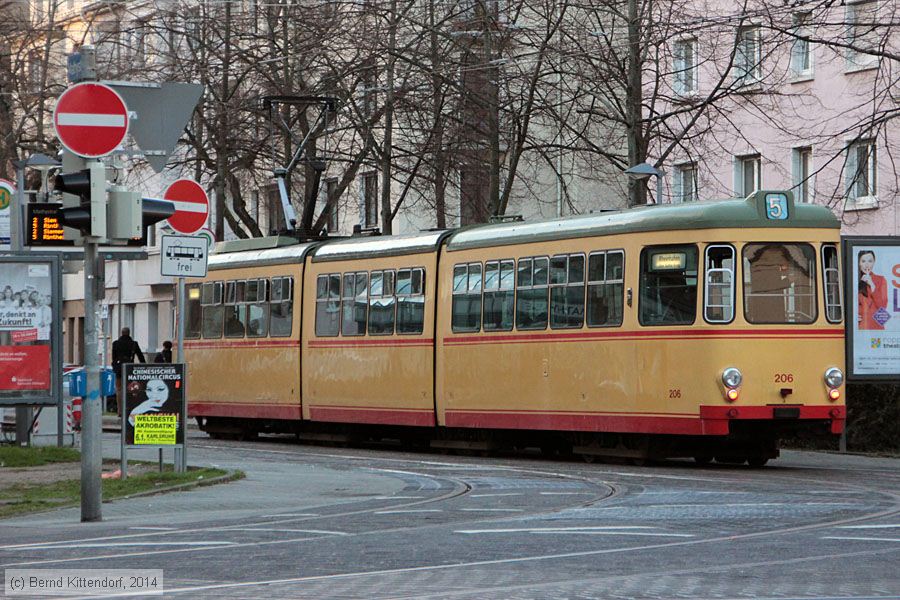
<point x="248" y="257"/>
<point x="747" y="213"/>
<point x="370" y="247"/>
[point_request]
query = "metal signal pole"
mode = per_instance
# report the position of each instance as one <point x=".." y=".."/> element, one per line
<point x="92" y="409"/>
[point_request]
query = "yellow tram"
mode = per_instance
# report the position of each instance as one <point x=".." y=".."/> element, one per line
<point x="705" y="330"/>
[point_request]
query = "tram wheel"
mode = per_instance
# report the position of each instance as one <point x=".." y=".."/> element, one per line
<point x="757" y="461"/>
<point x="703" y="460"/>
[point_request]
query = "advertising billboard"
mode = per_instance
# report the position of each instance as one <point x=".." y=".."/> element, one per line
<point x="154" y="405"/>
<point x="30" y="333"/>
<point x="872" y="284"/>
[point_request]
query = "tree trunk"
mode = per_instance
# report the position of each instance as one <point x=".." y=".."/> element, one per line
<point x="637" y="147"/>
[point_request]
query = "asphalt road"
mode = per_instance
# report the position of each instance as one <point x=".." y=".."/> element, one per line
<point x="319" y="522"/>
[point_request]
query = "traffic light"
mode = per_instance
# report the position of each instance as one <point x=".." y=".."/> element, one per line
<point x="111" y="213"/>
<point x="90" y="186"/>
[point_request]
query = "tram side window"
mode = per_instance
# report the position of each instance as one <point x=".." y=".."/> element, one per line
<point x="779" y="283"/>
<point x="328" y="305"/>
<point x="192" y="312"/>
<point x="832" y="282"/>
<point x="499" y="295"/>
<point x="410" y="300"/>
<point x="567" y="291"/>
<point x="606" y="287"/>
<point x="668" y="285"/>
<point x="531" y="293"/>
<point x="354" y="303"/>
<point x="257" y="308"/>
<point x="466" y="307"/>
<point x="234" y="309"/>
<point x="381" y="303"/>
<point x="281" y="306"/>
<point x="213" y="311"/>
<point x="718" y="297"/>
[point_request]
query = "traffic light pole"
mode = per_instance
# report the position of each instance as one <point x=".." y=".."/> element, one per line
<point x="92" y="408"/>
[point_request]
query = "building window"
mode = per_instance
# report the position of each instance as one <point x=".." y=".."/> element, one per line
<point x="802" y="174"/>
<point x="862" y="35"/>
<point x="274" y="212"/>
<point x="748" y="56"/>
<point x="331" y="186"/>
<point x="685" y="183"/>
<point x="801" y="52"/>
<point x="862" y="171"/>
<point x="685" y="67"/>
<point x="747" y="175"/>
<point x="369" y="189"/>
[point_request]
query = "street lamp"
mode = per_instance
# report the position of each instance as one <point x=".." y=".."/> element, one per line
<point x="644" y="171"/>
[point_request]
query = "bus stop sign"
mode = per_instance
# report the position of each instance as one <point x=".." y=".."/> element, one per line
<point x="184" y="256"/>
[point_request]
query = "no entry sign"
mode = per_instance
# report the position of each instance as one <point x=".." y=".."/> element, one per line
<point x="191" y="206"/>
<point x="91" y="119"/>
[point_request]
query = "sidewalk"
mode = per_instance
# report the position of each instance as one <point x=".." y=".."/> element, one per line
<point x="271" y="487"/>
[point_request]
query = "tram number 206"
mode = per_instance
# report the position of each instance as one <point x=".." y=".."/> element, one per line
<point x="784" y="378"/>
<point x="674" y="393"/>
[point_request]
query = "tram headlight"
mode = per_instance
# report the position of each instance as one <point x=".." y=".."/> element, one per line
<point x="834" y="377"/>
<point x="732" y="378"/>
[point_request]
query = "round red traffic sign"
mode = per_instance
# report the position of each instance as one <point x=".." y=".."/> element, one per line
<point x="191" y="206"/>
<point x="91" y="119"/>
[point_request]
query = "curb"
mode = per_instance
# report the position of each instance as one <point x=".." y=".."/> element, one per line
<point x="229" y="476"/>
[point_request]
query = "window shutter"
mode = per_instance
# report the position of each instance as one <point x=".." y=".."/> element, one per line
<point x="738" y="178"/>
<point x="677" y="195"/>
<point x="796" y="171"/>
<point x="850" y="172"/>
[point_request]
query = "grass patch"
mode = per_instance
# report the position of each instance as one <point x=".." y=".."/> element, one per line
<point x="23" y="498"/>
<point x="19" y="456"/>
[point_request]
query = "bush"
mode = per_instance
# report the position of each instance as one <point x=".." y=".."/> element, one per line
<point x="873" y="417"/>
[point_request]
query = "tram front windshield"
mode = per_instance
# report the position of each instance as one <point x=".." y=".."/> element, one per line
<point x="779" y="283"/>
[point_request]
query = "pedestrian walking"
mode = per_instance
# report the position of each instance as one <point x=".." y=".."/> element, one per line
<point x="124" y="350"/>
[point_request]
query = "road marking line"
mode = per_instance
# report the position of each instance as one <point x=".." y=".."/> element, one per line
<point x="862" y="539"/>
<point x="156" y="528"/>
<point x="558" y="529"/>
<point x="124" y="544"/>
<point x="892" y="526"/>
<point x="289" y="515"/>
<point x="563" y="493"/>
<point x="491" y="495"/>
<point x="643" y="533"/>
<point x="491" y="509"/>
<point x="321" y="531"/>
<point x="403" y="512"/>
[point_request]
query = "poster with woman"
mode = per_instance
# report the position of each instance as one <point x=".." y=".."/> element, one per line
<point x="154" y="405"/>
<point x="26" y="321"/>
<point x="873" y="274"/>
